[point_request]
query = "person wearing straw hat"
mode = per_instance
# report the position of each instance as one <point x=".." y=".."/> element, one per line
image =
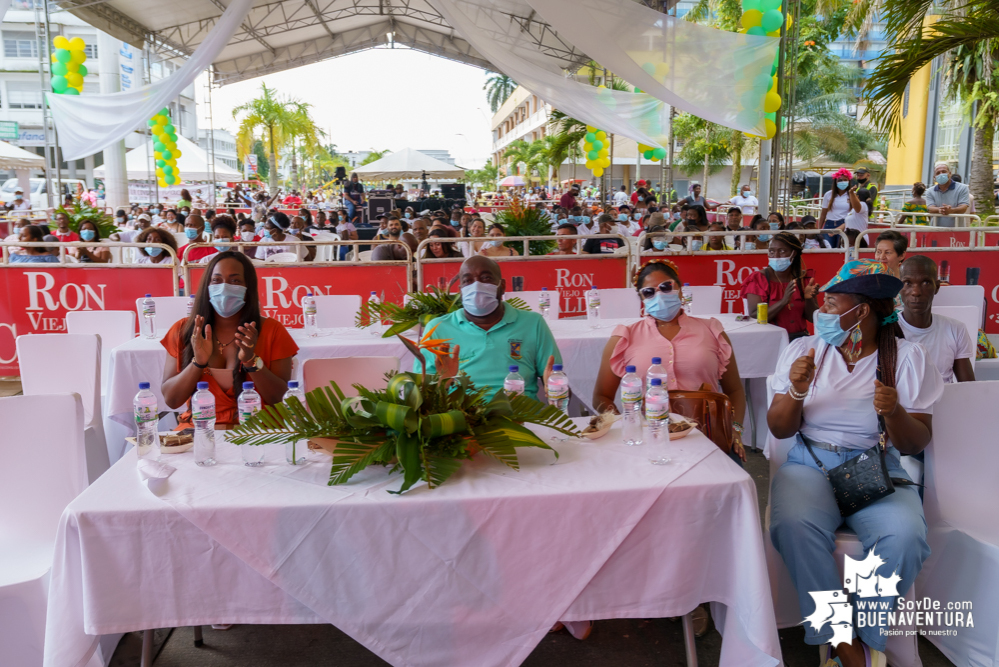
<point x="855" y="389"/>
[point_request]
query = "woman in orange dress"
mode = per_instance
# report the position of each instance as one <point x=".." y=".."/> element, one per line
<point x="225" y="342"/>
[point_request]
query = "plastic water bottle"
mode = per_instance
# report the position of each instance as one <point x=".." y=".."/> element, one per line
<point x="558" y="389"/>
<point x="203" y="415"/>
<point x="631" y="403"/>
<point x="249" y="404"/>
<point x="190" y="306"/>
<point x="544" y="302"/>
<point x="376" y="322"/>
<point x="294" y="451"/>
<point x="147" y="437"/>
<point x="149" y="316"/>
<point x="656" y="370"/>
<point x="688" y="299"/>
<point x="309" y="315"/>
<point x="657" y="415"/>
<point x="513" y="384"/>
<point x="593" y="304"/>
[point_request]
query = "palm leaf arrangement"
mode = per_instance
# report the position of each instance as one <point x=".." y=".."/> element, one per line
<point x="518" y="220"/>
<point x="420" y="308"/>
<point x="421" y="425"/>
<point x="83" y="212"/>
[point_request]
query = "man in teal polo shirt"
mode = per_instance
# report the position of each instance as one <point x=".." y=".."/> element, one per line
<point x="488" y="336"/>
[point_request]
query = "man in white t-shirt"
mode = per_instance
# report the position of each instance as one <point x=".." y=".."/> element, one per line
<point x="621" y="197"/>
<point x="945" y="340"/>
<point x="745" y="200"/>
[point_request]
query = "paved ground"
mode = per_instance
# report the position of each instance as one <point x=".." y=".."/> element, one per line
<point x="625" y="643"/>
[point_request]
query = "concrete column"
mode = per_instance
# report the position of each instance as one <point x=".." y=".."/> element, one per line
<point x="763" y="191"/>
<point x="115" y="178"/>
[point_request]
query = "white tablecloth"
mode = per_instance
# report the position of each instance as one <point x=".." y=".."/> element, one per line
<point x="472" y="573"/>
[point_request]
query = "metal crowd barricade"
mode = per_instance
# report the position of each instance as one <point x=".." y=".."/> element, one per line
<point x="68" y="261"/>
<point x="642" y="252"/>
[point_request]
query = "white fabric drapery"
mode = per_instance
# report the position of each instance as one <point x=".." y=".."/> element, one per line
<point x="88" y="124"/>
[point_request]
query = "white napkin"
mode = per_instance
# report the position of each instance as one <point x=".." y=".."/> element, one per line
<point x="154" y="474"/>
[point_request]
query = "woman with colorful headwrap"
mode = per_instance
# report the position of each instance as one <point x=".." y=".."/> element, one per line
<point x="836" y="393"/>
<point x="837" y="204"/>
<point x="785" y="286"/>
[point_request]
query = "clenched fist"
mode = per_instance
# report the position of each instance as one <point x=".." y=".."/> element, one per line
<point x="803" y="372"/>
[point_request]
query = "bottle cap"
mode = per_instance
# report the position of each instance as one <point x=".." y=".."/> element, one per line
<point x="657" y="382"/>
<point x="308" y="294"/>
<point x="629" y="369"/>
<point x="373" y="292"/>
<point x="143" y="385"/>
<point x="593" y="286"/>
<point x="544" y="289"/>
<point x="514" y="369"/>
<point x="557" y="367"/>
<point x="292" y="385"/>
<point x="686" y="284"/>
<point x="202" y="385"/>
<point x="149" y="296"/>
<point x="247" y="385"/>
<point x="656" y="361"/>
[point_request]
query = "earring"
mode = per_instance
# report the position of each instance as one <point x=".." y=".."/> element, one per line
<point x="853" y="345"/>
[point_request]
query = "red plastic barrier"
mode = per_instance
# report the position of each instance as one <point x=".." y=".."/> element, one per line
<point x="283" y="286"/>
<point x="36" y="297"/>
<point x="572" y="277"/>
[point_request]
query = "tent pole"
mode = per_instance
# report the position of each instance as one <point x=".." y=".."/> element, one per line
<point x="211" y="138"/>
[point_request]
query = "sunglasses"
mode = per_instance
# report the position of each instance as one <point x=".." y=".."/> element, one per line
<point x="664" y="287"/>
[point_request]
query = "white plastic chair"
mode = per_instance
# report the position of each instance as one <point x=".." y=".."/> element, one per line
<point x="61" y="363"/>
<point x="337" y="310"/>
<point x="169" y="309"/>
<point x="115" y="327"/>
<point x="368" y="372"/>
<point x="707" y="299"/>
<point x="619" y="303"/>
<point x="966" y="315"/>
<point x="959" y="503"/>
<point x="34" y="491"/>
<point x="326" y="253"/>
<point x="963" y="295"/>
<point x="282" y="258"/>
<point x="902" y="651"/>
<point x="364" y="256"/>
<point x="531" y="299"/>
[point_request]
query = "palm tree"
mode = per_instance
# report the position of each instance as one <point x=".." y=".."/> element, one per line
<point x="967" y="37"/>
<point x="301" y="126"/>
<point x="498" y="88"/>
<point x="516" y="153"/>
<point x="274" y="119"/>
<point x="567" y="134"/>
<point x="373" y="156"/>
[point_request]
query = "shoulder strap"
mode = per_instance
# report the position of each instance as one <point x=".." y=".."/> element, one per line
<point x="814" y="457"/>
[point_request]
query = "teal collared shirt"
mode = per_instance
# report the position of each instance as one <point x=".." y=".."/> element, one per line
<point x="521" y="338"/>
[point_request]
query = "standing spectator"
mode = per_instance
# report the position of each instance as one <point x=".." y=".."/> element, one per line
<point x="947" y="196"/>
<point x="19" y="203"/>
<point x="745" y="200"/>
<point x="185" y="199"/>
<point x="568" y="200"/>
<point x="837" y="204"/>
<point x="353" y="199"/>
<point x="915" y="205"/>
<point x="864" y="183"/>
<point x="621" y="197"/>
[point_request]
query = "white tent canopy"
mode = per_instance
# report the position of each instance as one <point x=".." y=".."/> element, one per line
<point x="194" y="164"/>
<point x="12" y="157"/>
<point x="408" y="163"/>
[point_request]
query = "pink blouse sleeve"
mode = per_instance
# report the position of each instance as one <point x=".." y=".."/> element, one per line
<point x="619" y="358"/>
<point x="756" y="284"/>
<point x="723" y="349"/>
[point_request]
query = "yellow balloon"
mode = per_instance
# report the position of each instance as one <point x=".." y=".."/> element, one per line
<point x="162" y="120"/>
<point x="598" y="172"/>
<point x="771" y="128"/>
<point x="172" y="162"/>
<point x="771" y="102"/>
<point x="752" y="18"/>
<point x="60" y="42"/>
<point x="775" y="82"/>
<point x="662" y="69"/>
<point x="590" y="128"/>
<point x="159" y="171"/>
<point x="156" y="129"/>
<point x="74" y="79"/>
<point x="77" y="57"/>
<point x="604" y="162"/>
<point x="72" y="67"/>
<point x="75" y="44"/>
<point x="587" y="147"/>
<point x="790" y="21"/>
<point x="176" y="153"/>
<point x="601" y="136"/>
<point x="774" y="33"/>
<point x="743" y="31"/>
<point x="79" y="88"/>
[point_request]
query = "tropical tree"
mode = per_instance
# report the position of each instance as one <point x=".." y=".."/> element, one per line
<point x="273" y="119"/>
<point x="301" y="127"/>
<point x="498" y="88"/>
<point x="567" y="135"/>
<point x="373" y="156"/>
<point x="706" y="146"/>
<point x="486" y="177"/>
<point x="517" y="153"/>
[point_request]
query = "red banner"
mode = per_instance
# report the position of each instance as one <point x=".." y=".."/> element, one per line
<point x="282" y="287"/>
<point x="572" y="277"/>
<point x="36" y="297"/>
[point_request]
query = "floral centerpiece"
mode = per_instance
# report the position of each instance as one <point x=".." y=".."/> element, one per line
<point x="421" y="425"/>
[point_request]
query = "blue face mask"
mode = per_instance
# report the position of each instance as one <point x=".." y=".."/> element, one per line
<point x="842" y="185"/>
<point x="774" y="226"/>
<point x="191" y="233"/>
<point x="780" y="264"/>
<point x="222" y="247"/>
<point x="696" y="245"/>
<point x="659" y="245"/>
<point x="940" y="179"/>
<point x="479" y="299"/>
<point x="828" y="328"/>
<point x="227" y="300"/>
<point x="622" y="217"/>
<point x="154" y="252"/>
<point x="88" y="234"/>
<point x="764" y="237"/>
<point x="749" y="245"/>
<point x="663" y="306"/>
<point x="156" y="211"/>
<point x="408" y="216"/>
<point x="267" y="233"/>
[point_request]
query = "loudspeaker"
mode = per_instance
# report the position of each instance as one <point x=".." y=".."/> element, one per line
<point x="379" y="206"/>
<point x="341" y="174"/>
<point x="453" y="190"/>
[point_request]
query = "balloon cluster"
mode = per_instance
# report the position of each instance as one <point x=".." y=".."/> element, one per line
<point x="765" y="17"/>
<point x="650" y="153"/>
<point x="67" y="66"/>
<point x="165" y="148"/>
<point x="597" y="148"/>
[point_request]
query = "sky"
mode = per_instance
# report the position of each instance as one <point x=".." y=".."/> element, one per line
<point x="379" y="99"/>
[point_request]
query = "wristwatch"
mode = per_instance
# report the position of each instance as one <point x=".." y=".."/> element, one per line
<point x="255" y="364"/>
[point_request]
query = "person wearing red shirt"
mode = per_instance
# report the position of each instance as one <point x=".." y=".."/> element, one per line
<point x="63" y="232"/>
<point x="292" y="200"/>
<point x="568" y="200"/>
<point x="194" y="230"/>
<point x="639" y="185"/>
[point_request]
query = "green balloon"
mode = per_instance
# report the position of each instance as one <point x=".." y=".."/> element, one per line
<point x="590" y="137"/>
<point x="649" y="69"/>
<point x="63" y="55"/>
<point x="597" y="144"/>
<point x="59" y="69"/>
<point x="165" y="112"/>
<point x="167" y="170"/>
<point x="59" y="84"/>
<point x="71" y="91"/>
<point x="593" y="155"/>
<point x="773" y="68"/>
<point x="772" y="116"/>
<point x="157" y="146"/>
<point x="168" y="128"/>
<point x="772" y="20"/>
<point x="169" y="180"/>
<point x="151" y="122"/>
<point x="767" y="5"/>
<point x="83" y="70"/>
<point x="173" y="137"/>
<point x="659" y="152"/>
<point x="757" y="30"/>
<point x="161" y="163"/>
<point x="750" y="4"/>
<point x="762" y="83"/>
<point x="647" y="155"/>
<point x="167" y="155"/>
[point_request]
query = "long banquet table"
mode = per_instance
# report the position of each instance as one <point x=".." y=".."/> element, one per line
<point x="756" y="347"/>
<point x="472" y="573"/>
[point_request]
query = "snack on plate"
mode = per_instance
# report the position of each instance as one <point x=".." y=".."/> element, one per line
<point x="175" y="439"/>
<point x="600" y="422"/>
<point x="679" y="427"/>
